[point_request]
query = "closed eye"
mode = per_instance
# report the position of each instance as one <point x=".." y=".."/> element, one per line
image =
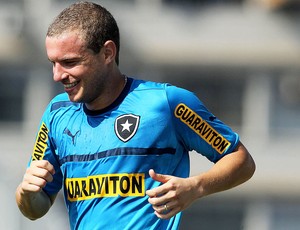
<point x="69" y="63"/>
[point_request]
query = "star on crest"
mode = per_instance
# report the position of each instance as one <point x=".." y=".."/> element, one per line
<point x="126" y="126"/>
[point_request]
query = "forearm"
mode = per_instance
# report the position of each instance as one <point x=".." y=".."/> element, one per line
<point x="33" y="205"/>
<point x="230" y="171"/>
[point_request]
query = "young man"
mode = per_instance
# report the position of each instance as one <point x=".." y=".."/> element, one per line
<point x="117" y="145"/>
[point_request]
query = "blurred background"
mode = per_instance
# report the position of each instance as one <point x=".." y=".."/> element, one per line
<point x="241" y="57"/>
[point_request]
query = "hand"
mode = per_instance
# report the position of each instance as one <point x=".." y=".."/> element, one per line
<point x="174" y="195"/>
<point x="37" y="176"/>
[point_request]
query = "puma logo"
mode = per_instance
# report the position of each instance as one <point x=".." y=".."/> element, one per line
<point x="68" y="132"/>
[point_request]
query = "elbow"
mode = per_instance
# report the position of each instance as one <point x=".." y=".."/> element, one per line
<point x="247" y="163"/>
<point x="251" y="166"/>
<point x="247" y="166"/>
<point x="33" y="206"/>
<point x="31" y="216"/>
<point x="246" y="170"/>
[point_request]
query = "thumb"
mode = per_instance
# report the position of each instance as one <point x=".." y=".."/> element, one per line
<point x="159" y="177"/>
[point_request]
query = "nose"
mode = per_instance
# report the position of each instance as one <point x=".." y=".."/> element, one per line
<point x="58" y="72"/>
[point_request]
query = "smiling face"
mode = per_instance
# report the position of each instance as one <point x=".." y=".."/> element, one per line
<point x="83" y="73"/>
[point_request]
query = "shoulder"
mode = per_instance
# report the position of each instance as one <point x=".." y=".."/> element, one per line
<point x="169" y="89"/>
<point x="173" y="94"/>
<point x="61" y="101"/>
<point x="138" y="84"/>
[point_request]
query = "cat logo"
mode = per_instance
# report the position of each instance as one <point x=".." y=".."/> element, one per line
<point x="126" y="126"/>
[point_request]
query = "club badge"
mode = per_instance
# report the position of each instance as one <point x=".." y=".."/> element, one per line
<point x="126" y="126"/>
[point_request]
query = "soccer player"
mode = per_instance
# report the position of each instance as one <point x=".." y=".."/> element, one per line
<point x="118" y="146"/>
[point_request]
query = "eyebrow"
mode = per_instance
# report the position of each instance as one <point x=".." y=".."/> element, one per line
<point x="66" y="59"/>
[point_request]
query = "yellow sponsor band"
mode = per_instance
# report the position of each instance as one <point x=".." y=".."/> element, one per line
<point x="107" y="185"/>
<point x="40" y="143"/>
<point x="202" y="128"/>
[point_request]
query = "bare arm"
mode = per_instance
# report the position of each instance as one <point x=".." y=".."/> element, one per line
<point x="179" y="193"/>
<point x="32" y="201"/>
<point x="232" y="170"/>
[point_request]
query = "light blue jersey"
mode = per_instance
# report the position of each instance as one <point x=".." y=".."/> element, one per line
<point x="102" y="158"/>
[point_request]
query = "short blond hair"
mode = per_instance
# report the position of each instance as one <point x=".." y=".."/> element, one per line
<point x="94" y="24"/>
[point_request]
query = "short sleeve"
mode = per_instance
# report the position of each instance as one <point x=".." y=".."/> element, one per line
<point x="197" y="128"/>
<point x="44" y="149"/>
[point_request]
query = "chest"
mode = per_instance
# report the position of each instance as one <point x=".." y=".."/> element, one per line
<point x="140" y="128"/>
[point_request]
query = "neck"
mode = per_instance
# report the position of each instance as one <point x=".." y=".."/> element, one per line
<point x="112" y="91"/>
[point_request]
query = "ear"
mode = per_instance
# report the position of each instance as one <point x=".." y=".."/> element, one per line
<point x="110" y="51"/>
